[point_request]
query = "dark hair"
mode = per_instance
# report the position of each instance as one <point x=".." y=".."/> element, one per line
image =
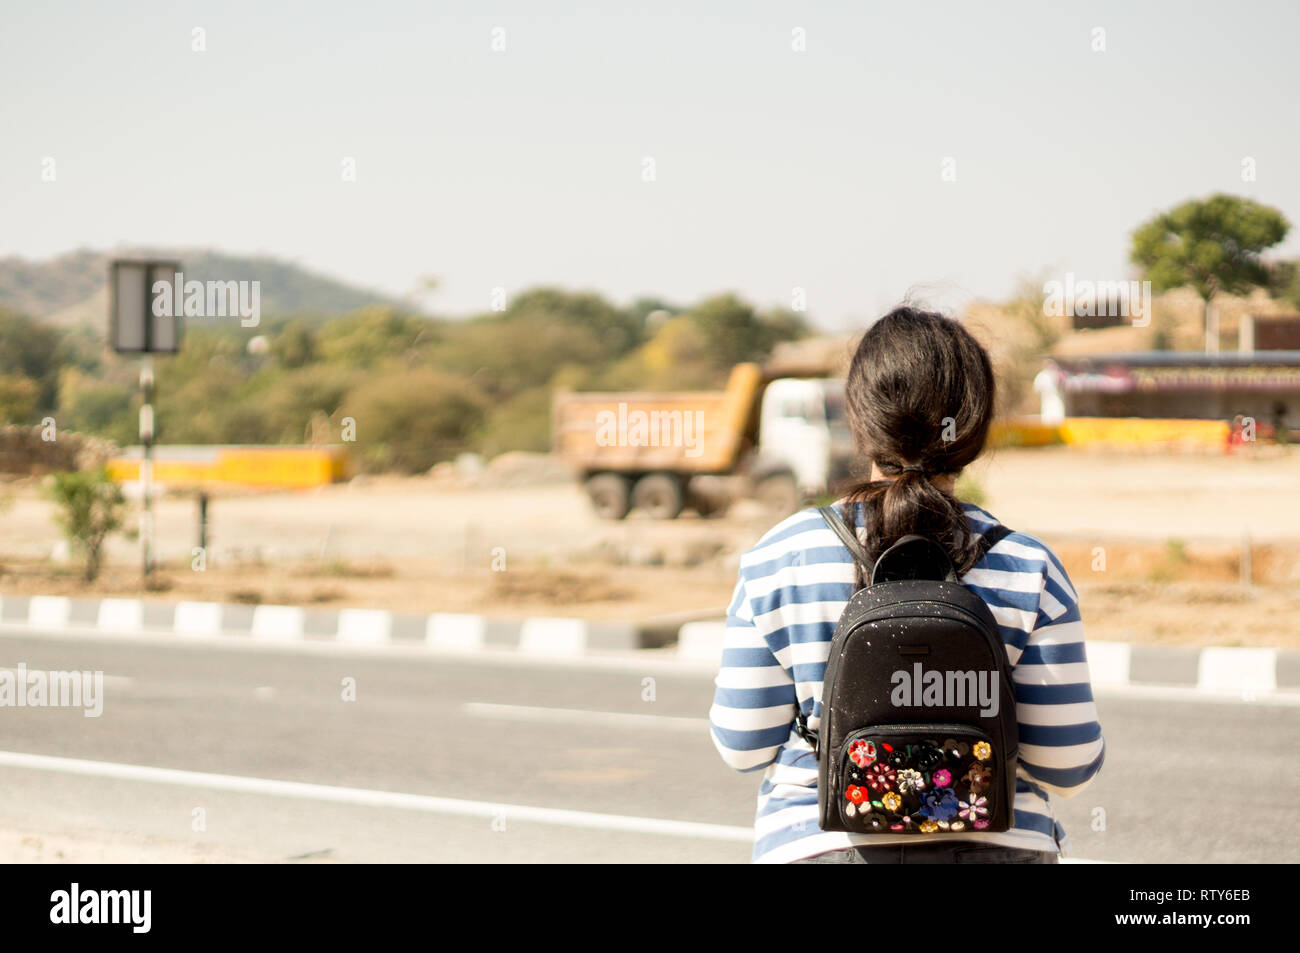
<point x="919" y="399"/>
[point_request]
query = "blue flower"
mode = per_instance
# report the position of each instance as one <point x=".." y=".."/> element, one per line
<point x="940" y="804"/>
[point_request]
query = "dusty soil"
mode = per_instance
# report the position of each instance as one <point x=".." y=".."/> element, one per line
<point x="1154" y="544"/>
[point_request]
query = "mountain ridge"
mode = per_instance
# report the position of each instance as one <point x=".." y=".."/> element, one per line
<point x="70" y="290"/>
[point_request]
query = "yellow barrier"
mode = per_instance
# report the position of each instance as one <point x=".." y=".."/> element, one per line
<point x="1138" y="432"/>
<point x="1132" y="432"/>
<point x="1019" y="432"/>
<point x="248" y="466"/>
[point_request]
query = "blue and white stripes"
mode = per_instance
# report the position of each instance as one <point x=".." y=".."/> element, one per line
<point x="792" y="588"/>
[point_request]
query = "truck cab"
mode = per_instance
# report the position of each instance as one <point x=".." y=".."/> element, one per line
<point x="802" y="429"/>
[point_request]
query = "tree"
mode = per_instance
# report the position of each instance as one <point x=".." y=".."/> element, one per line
<point x="295" y="344"/>
<point x="733" y="331"/>
<point x="90" y="507"/>
<point x="18" y="398"/>
<point x="28" y="353"/>
<point x="1213" y="245"/>
<point x="409" y="418"/>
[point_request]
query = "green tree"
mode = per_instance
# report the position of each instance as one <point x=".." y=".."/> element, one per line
<point x="19" y="395"/>
<point x="411" y="418"/>
<point x="734" y="332"/>
<point x="29" y="350"/>
<point x="365" y="337"/>
<point x="89" y="508"/>
<point x="295" y="344"/>
<point x="1214" y="245"/>
<point x="615" y="331"/>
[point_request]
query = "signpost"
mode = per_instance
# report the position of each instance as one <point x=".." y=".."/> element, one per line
<point x="134" y="326"/>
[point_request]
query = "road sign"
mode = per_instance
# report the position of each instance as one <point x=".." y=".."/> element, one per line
<point x="134" y="326"/>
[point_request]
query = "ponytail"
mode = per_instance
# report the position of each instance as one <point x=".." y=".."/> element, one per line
<point x="919" y="397"/>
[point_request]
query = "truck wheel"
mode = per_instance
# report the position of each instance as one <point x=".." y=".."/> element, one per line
<point x="659" y="495"/>
<point x="609" y="495"/>
<point x="710" y="502"/>
<point x="779" y="494"/>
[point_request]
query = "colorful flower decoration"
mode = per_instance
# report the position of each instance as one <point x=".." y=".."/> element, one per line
<point x="974" y="808"/>
<point x="978" y="777"/>
<point x="983" y="750"/>
<point x="911" y="781"/>
<point x="957" y="826"/>
<point x="982" y="823"/>
<point x="941" y="804"/>
<point x="892" y="801"/>
<point x="941" y="778"/>
<point x="880" y="777"/>
<point x="929" y="827"/>
<point x="862" y="753"/>
<point x="855" y="794"/>
<point x="897" y="758"/>
<point x="877" y="823"/>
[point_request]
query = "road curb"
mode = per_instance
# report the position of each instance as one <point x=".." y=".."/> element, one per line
<point x="286" y="625"/>
<point x="1216" y="670"/>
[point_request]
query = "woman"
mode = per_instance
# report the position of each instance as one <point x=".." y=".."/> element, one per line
<point x="919" y="398"/>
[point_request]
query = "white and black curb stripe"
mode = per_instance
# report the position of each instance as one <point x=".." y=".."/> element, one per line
<point x="1218" y="670"/>
<point x="560" y="637"/>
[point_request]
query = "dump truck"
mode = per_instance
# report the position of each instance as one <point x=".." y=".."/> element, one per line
<point x="781" y="441"/>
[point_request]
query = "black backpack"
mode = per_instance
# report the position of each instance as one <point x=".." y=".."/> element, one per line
<point x="918" y="728"/>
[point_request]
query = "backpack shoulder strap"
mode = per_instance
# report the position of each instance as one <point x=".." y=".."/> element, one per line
<point x="847" y="537"/>
<point x="992" y="538"/>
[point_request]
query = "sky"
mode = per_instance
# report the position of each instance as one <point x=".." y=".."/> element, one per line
<point x="842" y="155"/>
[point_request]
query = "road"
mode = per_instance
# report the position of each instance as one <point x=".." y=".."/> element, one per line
<point x="490" y="745"/>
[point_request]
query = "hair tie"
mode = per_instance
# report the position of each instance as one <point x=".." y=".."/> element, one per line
<point x="913" y="468"/>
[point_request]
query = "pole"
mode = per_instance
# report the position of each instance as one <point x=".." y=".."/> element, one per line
<point x="146" y="465"/>
<point x="203" y="521"/>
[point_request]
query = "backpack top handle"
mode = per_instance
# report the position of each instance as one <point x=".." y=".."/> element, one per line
<point x="912" y="557"/>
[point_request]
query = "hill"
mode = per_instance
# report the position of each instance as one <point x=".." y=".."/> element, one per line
<point x="70" y="291"/>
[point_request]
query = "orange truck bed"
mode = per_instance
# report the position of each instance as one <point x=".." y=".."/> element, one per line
<point x="640" y="432"/>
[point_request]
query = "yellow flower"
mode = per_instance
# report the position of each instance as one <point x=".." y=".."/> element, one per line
<point x="929" y="827"/>
<point x="983" y="750"/>
<point x="892" y="801"/>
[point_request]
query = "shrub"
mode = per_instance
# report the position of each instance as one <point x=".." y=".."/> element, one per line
<point x="90" y="507"/>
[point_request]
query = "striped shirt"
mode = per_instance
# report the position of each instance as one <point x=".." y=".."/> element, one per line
<point x="793" y="586"/>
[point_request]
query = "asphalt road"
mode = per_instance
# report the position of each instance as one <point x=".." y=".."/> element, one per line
<point x="491" y="745"/>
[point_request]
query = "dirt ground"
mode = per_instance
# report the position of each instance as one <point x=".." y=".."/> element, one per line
<point x="1154" y="543"/>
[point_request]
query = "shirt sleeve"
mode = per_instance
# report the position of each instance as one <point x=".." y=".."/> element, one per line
<point x="1061" y="744"/>
<point x="754" y="703"/>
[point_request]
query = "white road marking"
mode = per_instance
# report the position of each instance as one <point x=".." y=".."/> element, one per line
<point x="411" y="802"/>
<point x="579" y="716"/>
<point x="370" y="798"/>
<point x="110" y="681"/>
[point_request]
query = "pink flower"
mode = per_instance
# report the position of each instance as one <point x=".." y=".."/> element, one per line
<point x="976" y="807"/>
<point x="982" y="823"/>
<point x="942" y="778"/>
<point x="862" y="753"/>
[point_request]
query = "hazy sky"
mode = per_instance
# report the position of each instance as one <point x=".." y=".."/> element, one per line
<point x="774" y="168"/>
